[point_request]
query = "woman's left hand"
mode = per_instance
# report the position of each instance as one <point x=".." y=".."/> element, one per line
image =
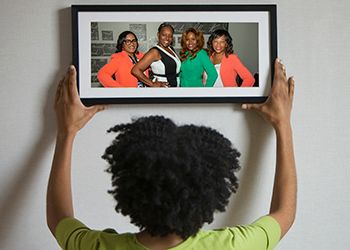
<point x="71" y="114"/>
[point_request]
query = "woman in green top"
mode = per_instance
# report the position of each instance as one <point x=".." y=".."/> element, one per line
<point x="195" y="61"/>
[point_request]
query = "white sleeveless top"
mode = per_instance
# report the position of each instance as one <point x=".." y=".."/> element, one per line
<point x="159" y="67"/>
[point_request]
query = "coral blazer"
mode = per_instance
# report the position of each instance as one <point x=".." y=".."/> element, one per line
<point x="230" y="67"/>
<point x="120" y="66"/>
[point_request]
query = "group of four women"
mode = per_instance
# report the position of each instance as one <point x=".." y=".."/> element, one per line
<point x="219" y="67"/>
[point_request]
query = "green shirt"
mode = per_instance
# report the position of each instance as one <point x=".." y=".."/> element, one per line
<point x="264" y="233"/>
<point x="192" y="69"/>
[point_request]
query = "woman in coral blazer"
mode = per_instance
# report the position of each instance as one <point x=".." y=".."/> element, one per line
<point x="226" y="62"/>
<point x="117" y="73"/>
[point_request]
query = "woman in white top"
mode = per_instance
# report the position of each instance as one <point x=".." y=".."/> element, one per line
<point x="162" y="59"/>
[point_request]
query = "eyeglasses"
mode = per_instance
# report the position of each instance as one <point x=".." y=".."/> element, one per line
<point x="128" y="42"/>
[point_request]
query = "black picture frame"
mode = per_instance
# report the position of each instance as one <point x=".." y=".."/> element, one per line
<point x="85" y="19"/>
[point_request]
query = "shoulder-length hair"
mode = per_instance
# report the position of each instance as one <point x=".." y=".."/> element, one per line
<point x="122" y="39"/>
<point x="185" y="53"/>
<point x="219" y="33"/>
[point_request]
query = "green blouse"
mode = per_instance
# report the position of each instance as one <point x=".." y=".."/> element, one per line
<point x="192" y="70"/>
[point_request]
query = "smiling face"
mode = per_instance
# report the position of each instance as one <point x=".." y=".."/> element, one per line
<point x="130" y="44"/>
<point x="165" y="37"/>
<point x="220" y="45"/>
<point x="191" y="41"/>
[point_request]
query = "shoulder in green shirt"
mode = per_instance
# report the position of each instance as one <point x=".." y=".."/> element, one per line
<point x="263" y="234"/>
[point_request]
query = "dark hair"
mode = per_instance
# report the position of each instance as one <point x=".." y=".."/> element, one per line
<point x="122" y="39"/>
<point x="165" y="24"/>
<point x="228" y="39"/>
<point x="200" y="43"/>
<point x="169" y="178"/>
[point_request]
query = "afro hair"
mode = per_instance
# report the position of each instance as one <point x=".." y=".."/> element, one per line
<point x="169" y="178"/>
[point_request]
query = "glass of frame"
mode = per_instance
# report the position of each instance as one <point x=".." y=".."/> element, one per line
<point x="96" y="29"/>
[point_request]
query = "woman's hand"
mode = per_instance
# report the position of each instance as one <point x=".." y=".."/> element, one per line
<point x="157" y="84"/>
<point x="71" y="114"/>
<point x="277" y="108"/>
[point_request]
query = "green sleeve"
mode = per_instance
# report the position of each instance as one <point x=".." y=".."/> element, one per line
<point x="209" y="69"/>
<point x="271" y="229"/>
<point x="71" y="234"/>
<point x="263" y="234"/>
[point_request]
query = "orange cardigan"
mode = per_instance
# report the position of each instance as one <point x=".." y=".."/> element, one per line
<point x="230" y="67"/>
<point x="120" y="66"/>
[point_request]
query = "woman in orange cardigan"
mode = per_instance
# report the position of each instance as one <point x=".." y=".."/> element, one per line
<point x="226" y="62"/>
<point x="117" y="73"/>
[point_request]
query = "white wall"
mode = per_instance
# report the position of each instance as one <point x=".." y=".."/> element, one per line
<point x="313" y="42"/>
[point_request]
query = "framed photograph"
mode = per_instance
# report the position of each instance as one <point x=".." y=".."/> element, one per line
<point x="231" y="59"/>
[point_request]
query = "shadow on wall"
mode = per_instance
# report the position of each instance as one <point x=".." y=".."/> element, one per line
<point x="258" y="133"/>
<point x="13" y="197"/>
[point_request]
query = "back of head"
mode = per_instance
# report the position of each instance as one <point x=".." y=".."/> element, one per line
<point x="169" y="178"/>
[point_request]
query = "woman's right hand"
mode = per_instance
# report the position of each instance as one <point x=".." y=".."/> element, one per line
<point x="71" y="114"/>
<point x="278" y="106"/>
